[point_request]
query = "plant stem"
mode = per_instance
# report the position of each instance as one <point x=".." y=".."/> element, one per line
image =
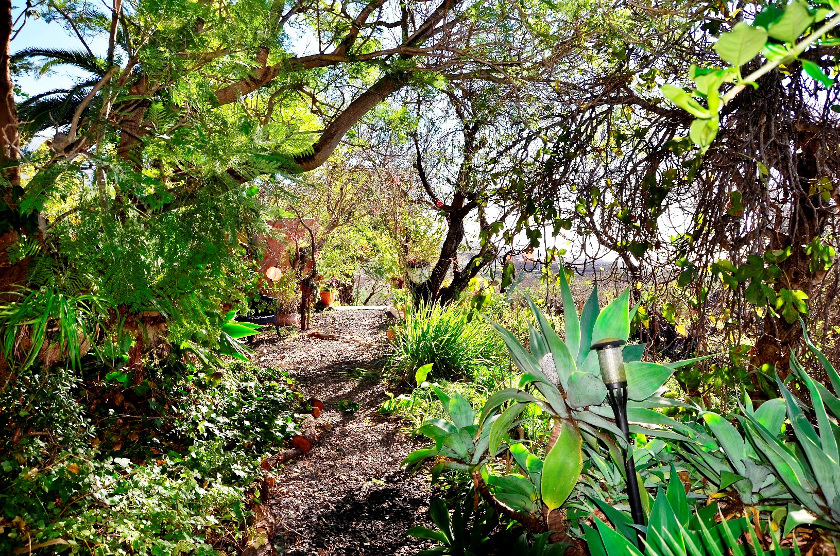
<point x="770" y="66"/>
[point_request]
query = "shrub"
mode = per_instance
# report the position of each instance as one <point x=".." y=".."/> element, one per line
<point x="84" y="474"/>
<point x="457" y="345"/>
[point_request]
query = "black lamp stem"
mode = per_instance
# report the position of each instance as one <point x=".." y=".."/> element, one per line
<point x="617" y="398"/>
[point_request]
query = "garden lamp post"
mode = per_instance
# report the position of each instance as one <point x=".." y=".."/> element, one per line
<point x="611" y="361"/>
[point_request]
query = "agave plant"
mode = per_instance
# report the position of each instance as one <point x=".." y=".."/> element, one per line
<point x="724" y="457"/>
<point x="810" y="466"/>
<point x="674" y="530"/>
<point x="563" y="378"/>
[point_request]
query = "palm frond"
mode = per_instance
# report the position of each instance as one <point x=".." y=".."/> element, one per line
<point x="59" y="56"/>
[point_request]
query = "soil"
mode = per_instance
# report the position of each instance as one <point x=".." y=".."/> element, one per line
<point x="348" y="495"/>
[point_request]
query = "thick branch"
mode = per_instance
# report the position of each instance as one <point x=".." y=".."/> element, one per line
<point x="334" y="132"/>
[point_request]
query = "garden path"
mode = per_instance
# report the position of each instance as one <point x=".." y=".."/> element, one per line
<point x="348" y="495"/>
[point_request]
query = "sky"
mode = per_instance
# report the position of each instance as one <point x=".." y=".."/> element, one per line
<point x="39" y="33"/>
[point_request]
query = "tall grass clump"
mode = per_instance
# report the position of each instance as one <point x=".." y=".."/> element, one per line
<point x="458" y="346"/>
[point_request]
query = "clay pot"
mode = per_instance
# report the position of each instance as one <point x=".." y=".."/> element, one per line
<point x="327" y="297"/>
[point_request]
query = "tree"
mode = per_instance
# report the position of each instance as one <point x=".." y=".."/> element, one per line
<point x="756" y="211"/>
<point x="184" y="118"/>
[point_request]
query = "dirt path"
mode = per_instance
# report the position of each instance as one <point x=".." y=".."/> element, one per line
<point x="348" y="496"/>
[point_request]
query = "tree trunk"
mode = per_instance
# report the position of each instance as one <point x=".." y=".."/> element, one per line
<point x="11" y="275"/>
<point x="9" y="134"/>
<point x="808" y="219"/>
<point x="430" y="289"/>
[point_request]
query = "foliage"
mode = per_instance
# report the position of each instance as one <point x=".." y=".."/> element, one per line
<point x="169" y="473"/>
<point x="33" y="314"/>
<point x="775" y="33"/>
<point x="446" y="336"/>
<point x="575" y="400"/>
<point x="465" y="533"/>
<point x="809" y="468"/>
<point x="672" y="529"/>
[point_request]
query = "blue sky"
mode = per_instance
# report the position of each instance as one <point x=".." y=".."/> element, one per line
<point x="39" y="33"/>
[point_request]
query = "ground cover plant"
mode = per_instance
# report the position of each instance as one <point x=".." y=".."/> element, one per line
<point x="97" y="466"/>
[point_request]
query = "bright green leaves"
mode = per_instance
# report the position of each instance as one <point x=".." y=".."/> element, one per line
<point x="816" y="73"/>
<point x="791" y="303"/>
<point x="422" y="372"/>
<point x="685" y="101"/>
<point x="741" y="45"/>
<point x="644" y="379"/>
<point x="703" y="132"/>
<point x="793" y="21"/>
<point x="562" y="467"/>
<point x="821" y="255"/>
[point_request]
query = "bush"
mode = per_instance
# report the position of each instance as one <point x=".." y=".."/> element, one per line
<point x="458" y="346"/>
<point x="85" y="474"/>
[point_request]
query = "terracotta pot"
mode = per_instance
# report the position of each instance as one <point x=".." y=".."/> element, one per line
<point x="288" y="319"/>
<point x="327" y="297"/>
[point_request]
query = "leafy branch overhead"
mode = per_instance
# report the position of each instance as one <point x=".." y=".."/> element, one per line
<point x="777" y="35"/>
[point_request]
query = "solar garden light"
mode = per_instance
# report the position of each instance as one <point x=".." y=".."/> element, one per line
<point x="611" y="361"/>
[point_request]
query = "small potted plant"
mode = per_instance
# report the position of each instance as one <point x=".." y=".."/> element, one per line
<point x="328" y="291"/>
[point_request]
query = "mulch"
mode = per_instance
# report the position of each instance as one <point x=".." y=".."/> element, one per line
<point x="348" y="495"/>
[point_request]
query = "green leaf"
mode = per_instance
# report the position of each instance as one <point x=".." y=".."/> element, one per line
<point x="587" y="324"/>
<point x="538" y="345"/>
<point x="662" y="519"/>
<point x="730" y="441"/>
<point x="614" y="321"/>
<point x="685" y="101"/>
<point x="825" y="470"/>
<point x="593" y="541"/>
<point x="418" y="456"/>
<point x="769" y="15"/>
<point x="833" y="376"/>
<point x="572" y="323"/>
<point x="786" y="465"/>
<point x="644" y="379"/>
<point x="771" y="414"/>
<point x="727" y="479"/>
<point x="440" y="517"/>
<point x="676" y="496"/>
<point x="633" y="352"/>
<point x="585" y="389"/>
<point x="238" y="330"/>
<point x="703" y="132"/>
<point x="529" y="463"/>
<point x="502" y="425"/>
<point x="562" y="467"/>
<point x="564" y="363"/>
<point x="521" y="358"/>
<point x="458" y="408"/>
<point x="796" y="516"/>
<point x="425" y="533"/>
<point x="741" y="45"/>
<point x="614" y="543"/>
<point x="422" y="373"/>
<point x="816" y="73"/>
<point x="793" y="22"/>
<point x="436" y="429"/>
<point x="622" y="522"/>
<point x="502" y="396"/>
